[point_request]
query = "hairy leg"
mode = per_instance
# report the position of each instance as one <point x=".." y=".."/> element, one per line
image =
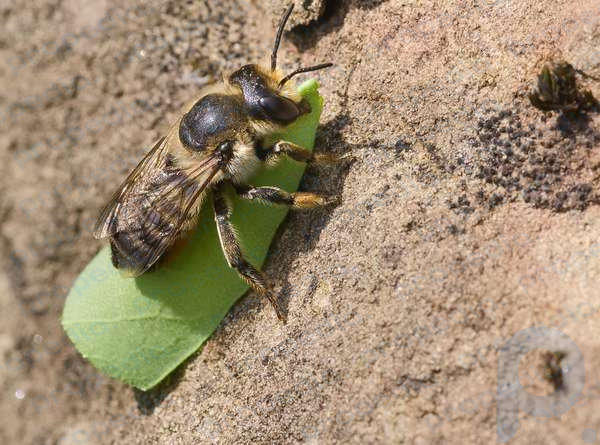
<point x="274" y="195"/>
<point x="298" y="153"/>
<point x="233" y="253"/>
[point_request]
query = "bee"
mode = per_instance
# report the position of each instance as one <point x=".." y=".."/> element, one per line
<point x="557" y="90"/>
<point x="217" y="144"/>
<point x="552" y="369"/>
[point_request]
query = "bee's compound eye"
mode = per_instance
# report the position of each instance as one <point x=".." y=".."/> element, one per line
<point x="279" y="109"/>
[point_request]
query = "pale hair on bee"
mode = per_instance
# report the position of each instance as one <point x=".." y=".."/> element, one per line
<point x="218" y="143"/>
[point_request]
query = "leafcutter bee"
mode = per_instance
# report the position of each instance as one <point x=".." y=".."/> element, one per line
<point x="552" y="368"/>
<point x="557" y="90"/>
<point x="218" y="143"/>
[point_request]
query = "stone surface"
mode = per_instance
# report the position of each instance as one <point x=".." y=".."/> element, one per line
<point x="466" y="216"/>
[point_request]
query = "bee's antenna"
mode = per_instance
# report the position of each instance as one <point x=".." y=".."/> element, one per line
<point x="304" y="70"/>
<point x="586" y="75"/>
<point x="282" y="22"/>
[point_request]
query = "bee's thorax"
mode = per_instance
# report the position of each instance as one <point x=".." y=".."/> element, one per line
<point x="243" y="163"/>
<point x="214" y="119"/>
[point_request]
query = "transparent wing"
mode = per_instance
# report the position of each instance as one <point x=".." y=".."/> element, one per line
<point x="152" y="207"/>
<point x="149" y="226"/>
<point x="106" y="223"/>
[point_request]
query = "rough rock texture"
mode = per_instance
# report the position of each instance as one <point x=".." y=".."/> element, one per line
<point x="466" y="216"/>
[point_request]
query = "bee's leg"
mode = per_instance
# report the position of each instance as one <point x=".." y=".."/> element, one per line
<point x="233" y="253"/>
<point x="298" y="153"/>
<point x="274" y="195"/>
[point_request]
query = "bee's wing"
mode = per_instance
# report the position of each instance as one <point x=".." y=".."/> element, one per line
<point x="148" y="227"/>
<point x="152" y="207"/>
<point x="106" y="224"/>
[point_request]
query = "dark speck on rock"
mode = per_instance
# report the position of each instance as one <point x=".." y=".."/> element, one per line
<point x="494" y="200"/>
<point x="453" y="230"/>
<point x="401" y="145"/>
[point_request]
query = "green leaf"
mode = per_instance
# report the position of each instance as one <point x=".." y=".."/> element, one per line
<point x="138" y="330"/>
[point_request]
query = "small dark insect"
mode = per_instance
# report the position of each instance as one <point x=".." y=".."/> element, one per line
<point x="216" y="145"/>
<point x="552" y="369"/>
<point x="557" y="90"/>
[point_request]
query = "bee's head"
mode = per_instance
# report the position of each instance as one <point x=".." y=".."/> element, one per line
<point x="263" y="97"/>
<point x="265" y="92"/>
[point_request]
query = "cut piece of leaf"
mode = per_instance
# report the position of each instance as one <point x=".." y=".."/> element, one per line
<point x="138" y="330"/>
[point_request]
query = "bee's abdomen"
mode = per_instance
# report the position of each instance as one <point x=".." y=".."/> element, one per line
<point x="151" y="222"/>
<point x="132" y="251"/>
<point x="128" y="252"/>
